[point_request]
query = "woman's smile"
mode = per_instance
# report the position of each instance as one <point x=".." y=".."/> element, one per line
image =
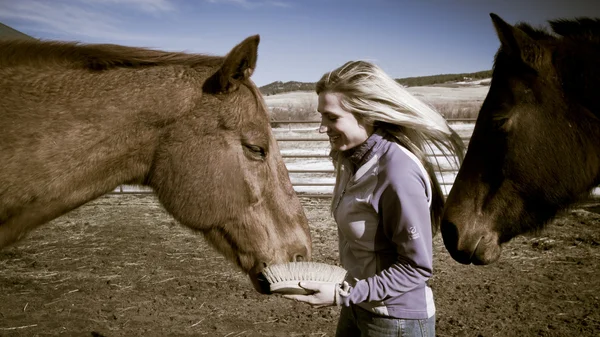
<point x="342" y="127"/>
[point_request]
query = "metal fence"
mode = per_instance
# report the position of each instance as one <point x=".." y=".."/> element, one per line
<point x="286" y="135"/>
<point x="303" y="179"/>
<point x="283" y="137"/>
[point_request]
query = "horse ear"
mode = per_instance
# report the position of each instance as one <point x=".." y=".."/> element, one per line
<point x="239" y="64"/>
<point x="517" y="43"/>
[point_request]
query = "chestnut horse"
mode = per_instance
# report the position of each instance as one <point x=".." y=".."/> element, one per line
<point x="79" y="120"/>
<point x="535" y="149"/>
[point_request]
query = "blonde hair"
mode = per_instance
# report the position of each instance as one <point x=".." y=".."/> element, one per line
<point x="376" y="99"/>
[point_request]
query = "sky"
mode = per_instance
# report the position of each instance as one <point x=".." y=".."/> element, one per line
<point x="300" y="40"/>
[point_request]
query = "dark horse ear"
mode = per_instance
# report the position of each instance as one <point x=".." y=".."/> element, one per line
<point x="516" y="43"/>
<point x="237" y="66"/>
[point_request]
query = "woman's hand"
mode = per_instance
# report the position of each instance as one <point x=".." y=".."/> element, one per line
<point x="321" y="294"/>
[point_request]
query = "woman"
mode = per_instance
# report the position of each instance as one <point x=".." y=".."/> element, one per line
<point x="387" y="201"/>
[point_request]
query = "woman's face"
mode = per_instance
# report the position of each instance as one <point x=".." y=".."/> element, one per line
<point x="343" y="129"/>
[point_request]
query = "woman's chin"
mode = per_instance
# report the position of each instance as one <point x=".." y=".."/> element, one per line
<point x="339" y="147"/>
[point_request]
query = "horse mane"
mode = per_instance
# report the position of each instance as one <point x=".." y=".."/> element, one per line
<point x="95" y="56"/>
<point x="535" y="33"/>
<point x="580" y="28"/>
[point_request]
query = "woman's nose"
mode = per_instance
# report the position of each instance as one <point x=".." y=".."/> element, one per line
<point x="322" y="129"/>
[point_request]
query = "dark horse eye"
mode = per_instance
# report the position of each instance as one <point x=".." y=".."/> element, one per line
<point x="255" y="151"/>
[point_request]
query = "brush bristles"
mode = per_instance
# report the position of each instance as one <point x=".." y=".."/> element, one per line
<point x="285" y="277"/>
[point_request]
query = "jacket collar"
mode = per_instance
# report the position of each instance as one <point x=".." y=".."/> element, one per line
<point x="360" y="154"/>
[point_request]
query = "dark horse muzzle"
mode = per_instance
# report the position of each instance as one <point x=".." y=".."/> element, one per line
<point x="478" y="247"/>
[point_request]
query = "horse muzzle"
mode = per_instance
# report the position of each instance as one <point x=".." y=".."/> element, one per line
<point x="477" y="247"/>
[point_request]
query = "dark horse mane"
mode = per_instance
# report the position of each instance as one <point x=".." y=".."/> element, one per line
<point x="582" y="28"/>
<point x="96" y="57"/>
<point x="586" y="29"/>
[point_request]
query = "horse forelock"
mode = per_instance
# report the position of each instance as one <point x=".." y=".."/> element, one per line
<point x="258" y="98"/>
<point x="95" y="56"/>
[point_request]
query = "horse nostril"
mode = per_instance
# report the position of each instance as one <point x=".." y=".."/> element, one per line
<point x="449" y="235"/>
<point x="298" y="258"/>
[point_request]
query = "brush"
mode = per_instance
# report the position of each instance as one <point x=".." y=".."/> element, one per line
<point x="284" y="278"/>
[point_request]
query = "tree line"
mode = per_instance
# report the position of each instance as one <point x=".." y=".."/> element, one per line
<point x="278" y="87"/>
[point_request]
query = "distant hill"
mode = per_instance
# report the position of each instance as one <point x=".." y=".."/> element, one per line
<point x="444" y="78"/>
<point x="278" y="87"/>
<point x="8" y="33"/>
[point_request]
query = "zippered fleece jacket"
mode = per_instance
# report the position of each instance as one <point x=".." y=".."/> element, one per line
<point x="381" y="205"/>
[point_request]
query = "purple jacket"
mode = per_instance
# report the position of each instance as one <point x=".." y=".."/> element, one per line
<point x="381" y="205"/>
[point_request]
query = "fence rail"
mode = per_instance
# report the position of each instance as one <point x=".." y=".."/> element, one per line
<point x="289" y="134"/>
<point x="283" y="138"/>
<point x="317" y="121"/>
<point x="313" y="177"/>
<point x="307" y="179"/>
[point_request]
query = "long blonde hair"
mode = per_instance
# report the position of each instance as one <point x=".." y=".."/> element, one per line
<point x="374" y="98"/>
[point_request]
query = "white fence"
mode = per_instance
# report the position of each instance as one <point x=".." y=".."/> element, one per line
<point x="306" y="155"/>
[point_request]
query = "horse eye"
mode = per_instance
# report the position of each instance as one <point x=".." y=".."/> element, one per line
<point x="255" y="151"/>
<point x="501" y="123"/>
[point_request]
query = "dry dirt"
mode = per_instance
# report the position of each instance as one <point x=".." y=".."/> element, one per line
<point x="120" y="266"/>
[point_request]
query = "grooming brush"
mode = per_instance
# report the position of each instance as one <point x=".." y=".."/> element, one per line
<point x="284" y="278"/>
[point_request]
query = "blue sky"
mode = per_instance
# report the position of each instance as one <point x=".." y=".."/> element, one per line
<point x="300" y="39"/>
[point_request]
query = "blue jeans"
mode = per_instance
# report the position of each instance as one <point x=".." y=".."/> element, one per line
<point x="357" y="322"/>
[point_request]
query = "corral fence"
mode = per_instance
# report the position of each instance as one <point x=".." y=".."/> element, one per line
<point x="306" y="154"/>
<point x="308" y="179"/>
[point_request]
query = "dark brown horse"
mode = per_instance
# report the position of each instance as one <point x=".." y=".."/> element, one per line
<point x="76" y="121"/>
<point x="535" y="148"/>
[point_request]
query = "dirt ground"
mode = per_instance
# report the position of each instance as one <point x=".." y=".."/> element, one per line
<point x="120" y="266"/>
